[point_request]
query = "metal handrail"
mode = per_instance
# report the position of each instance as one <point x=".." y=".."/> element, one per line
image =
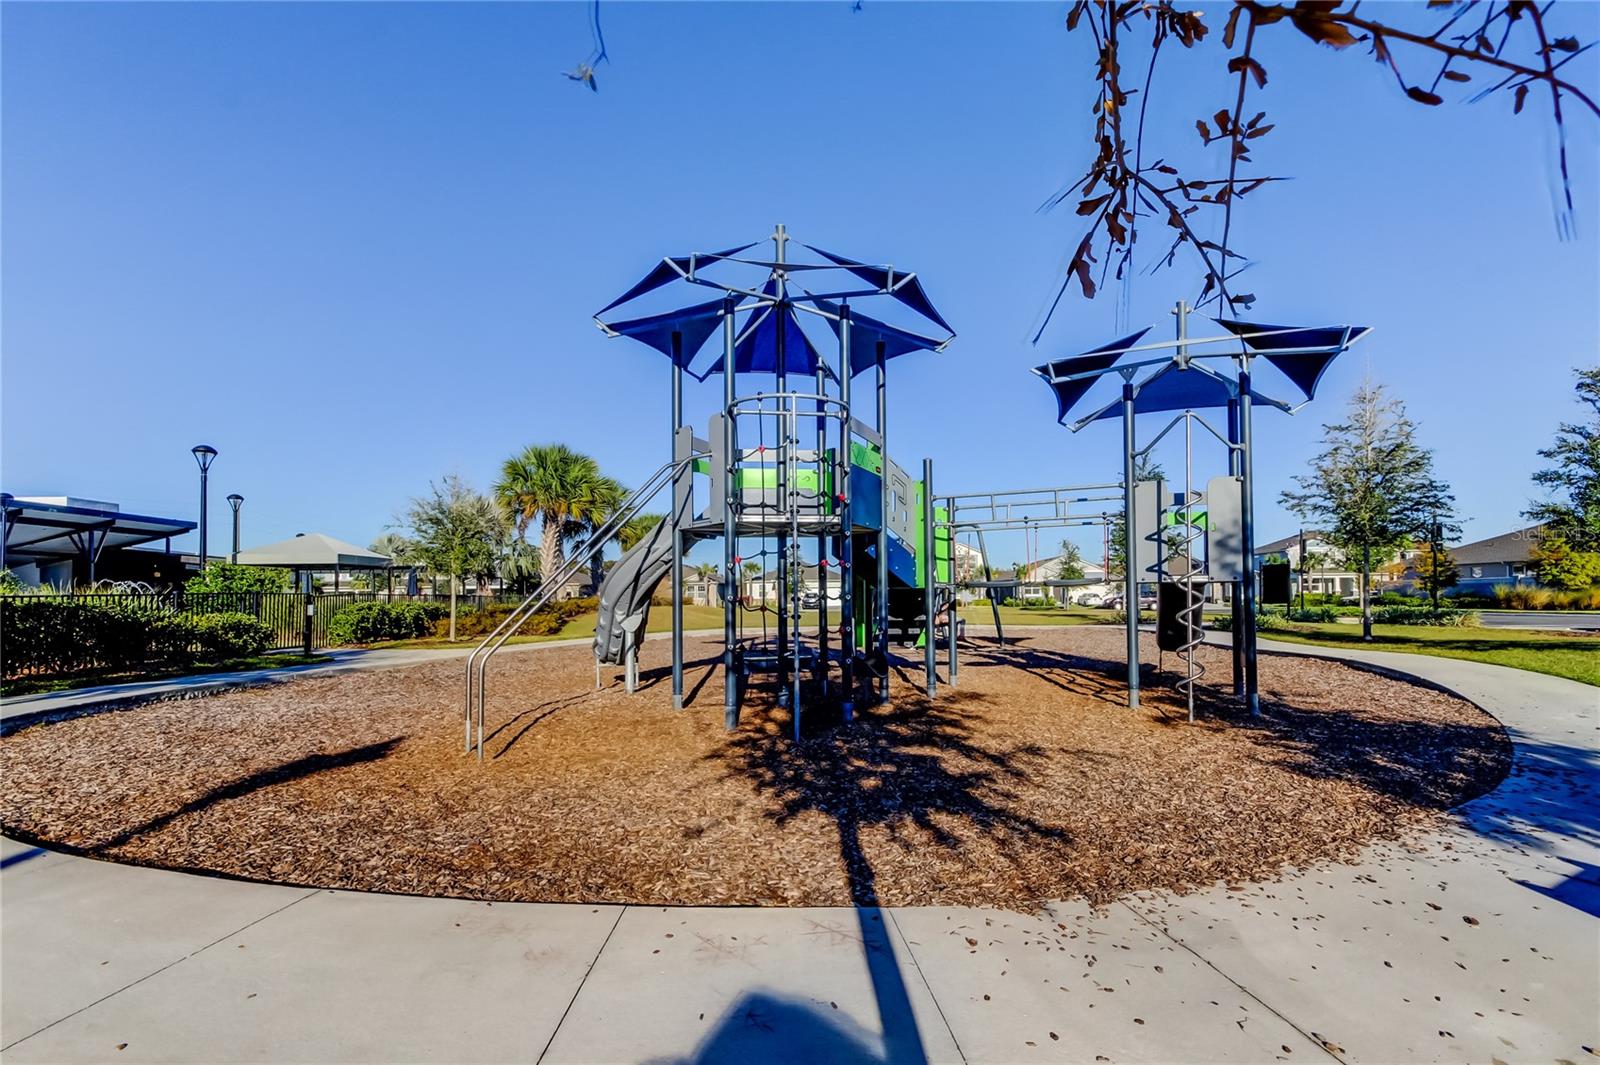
<point x="480" y="655"/>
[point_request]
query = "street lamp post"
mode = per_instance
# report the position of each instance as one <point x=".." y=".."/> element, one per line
<point x="1433" y="553"/>
<point x="235" y="501"/>
<point x="204" y="454"/>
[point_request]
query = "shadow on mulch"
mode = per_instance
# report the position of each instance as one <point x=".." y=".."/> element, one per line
<point x="895" y="767"/>
<point x="1427" y="764"/>
<point x="281" y="774"/>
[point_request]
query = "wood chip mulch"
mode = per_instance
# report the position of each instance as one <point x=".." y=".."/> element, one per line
<point x="1028" y="782"/>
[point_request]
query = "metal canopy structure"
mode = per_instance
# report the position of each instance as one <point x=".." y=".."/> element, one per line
<point x="46" y="531"/>
<point x="768" y="310"/>
<point x="1171" y="376"/>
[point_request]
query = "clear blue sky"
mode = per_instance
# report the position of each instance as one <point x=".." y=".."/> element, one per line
<point x="356" y="246"/>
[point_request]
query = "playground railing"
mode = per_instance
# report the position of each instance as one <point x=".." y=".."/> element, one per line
<point x="478" y="660"/>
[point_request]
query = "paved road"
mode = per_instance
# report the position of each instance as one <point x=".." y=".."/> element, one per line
<point x="1479" y="944"/>
<point x="1538" y="619"/>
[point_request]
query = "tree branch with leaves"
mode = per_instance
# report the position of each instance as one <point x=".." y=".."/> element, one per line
<point x="1508" y="44"/>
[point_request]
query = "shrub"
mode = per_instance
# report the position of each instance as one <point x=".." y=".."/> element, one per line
<point x="976" y="603"/>
<point x="64" y="636"/>
<point x="547" y="621"/>
<point x="1587" y="599"/>
<point x="371" y="621"/>
<point x="231" y="634"/>
<point x="1422" y="615"/>
<point x="1315" y="614"/>
<point x="1523" y="597"/>
<point x="222" y="576"/>
<point x="1265" y="619"/>
<point x="1038" y="602"/>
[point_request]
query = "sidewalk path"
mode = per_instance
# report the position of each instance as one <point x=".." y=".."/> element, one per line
<point x="1478" y="945"/>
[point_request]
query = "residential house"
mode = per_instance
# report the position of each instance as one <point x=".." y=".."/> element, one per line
<point x="764" y="589"/>
<point x="1330" y="573"/>
<point x="1503" y="559"/>
<point x="1031" y="583"/>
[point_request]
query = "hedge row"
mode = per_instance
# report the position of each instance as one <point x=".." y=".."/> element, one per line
<point x="1383" y="615"/>
<point x="375" y="622"/>
<point x="63" y="636"/>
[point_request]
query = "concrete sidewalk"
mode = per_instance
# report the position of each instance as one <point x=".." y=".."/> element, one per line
<point x="1481" y="944"/>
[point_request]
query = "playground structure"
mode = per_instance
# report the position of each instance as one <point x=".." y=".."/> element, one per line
<point x="1173" y="377"/>
<point x="781" y="472"/>
<point x="786" y="471"/>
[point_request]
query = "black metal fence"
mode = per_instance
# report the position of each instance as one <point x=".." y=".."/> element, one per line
<point x="283" y="612"/>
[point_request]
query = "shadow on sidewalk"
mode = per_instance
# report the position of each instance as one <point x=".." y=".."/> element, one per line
<point x="780" y="1030"/>
<point x="914" y="765"/>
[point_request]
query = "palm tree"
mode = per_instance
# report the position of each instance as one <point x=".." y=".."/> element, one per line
<point x="604" y="501"/>
<point x="637" y="529"/>
<point x="752" y="570"/>
<point x="563" y="490"/>
<point x="708" y="573"/>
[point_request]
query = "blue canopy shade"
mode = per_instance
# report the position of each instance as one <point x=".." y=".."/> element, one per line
<point x="676" y="334"/>
<point x="1068" y="393"/>
<point x="908" y="290"/>
<point x="1173" y="388"/>
<point x="668" y="270"/>
<point x="1300" y="354"/>
<point x="867" y="333"/>
<point x="756" y="349"/>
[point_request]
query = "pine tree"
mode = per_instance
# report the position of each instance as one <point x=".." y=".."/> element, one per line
<point x="1574" y="474"/>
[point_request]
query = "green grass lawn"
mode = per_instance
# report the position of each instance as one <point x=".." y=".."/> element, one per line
<point x="35" y="685"/>
<point x="1575" y="657"/>
<point x="1016" y="615"/>
<point x="582" y="627"/>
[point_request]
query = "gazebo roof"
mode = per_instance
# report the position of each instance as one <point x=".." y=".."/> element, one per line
<point x="314" y="551"/>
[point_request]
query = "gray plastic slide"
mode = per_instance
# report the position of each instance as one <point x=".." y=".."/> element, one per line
<point x="625" y="594"/>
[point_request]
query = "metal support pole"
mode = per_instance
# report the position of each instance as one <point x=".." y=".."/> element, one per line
<point x="930" y="656"/>
<point x="953" y="616"/>
<point x="205" y="475"/>
<point x="824" y="485"/>
<point x="1129" y="565"/>
<point x="1300" y="564"/>
<point x="730" y="532"/>
<point x="1236" y="606"/>
<point x="1252" y="693"/>
<point x="880" y="610"/>
<point x="677" y="533"/>
<point x="780" y="311"/>
<point x="235" y="501"/>
<point x="842" y="498"/>
<point x="988" y="579"/>
<point x="1191" y="635"/>
<point x="310" y="620"/>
